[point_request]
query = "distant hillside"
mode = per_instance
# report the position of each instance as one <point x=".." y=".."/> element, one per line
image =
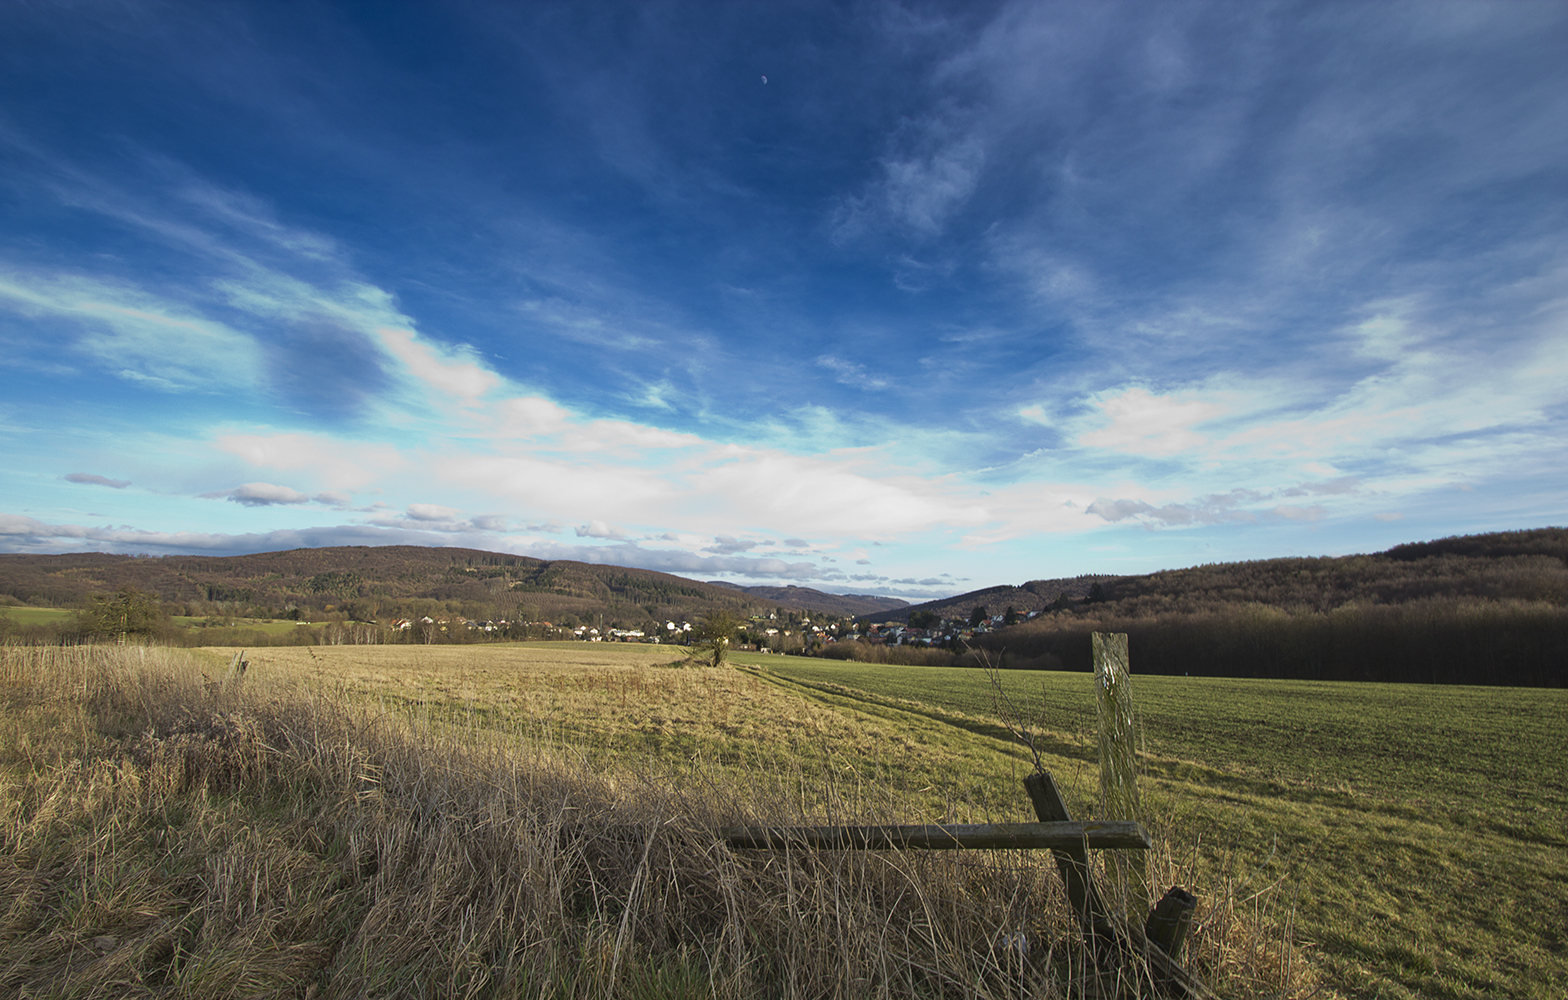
<point x="1526" y="565"/>
<point x="1480" y="609"/>
<point x="806" y="599"/>
<point x="1519" y="565"/>
<point x="1036" y="595"/>
<point x="378" y="582"/>
<point x="1532" y="542"/>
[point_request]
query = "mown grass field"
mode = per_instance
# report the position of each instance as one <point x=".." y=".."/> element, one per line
<point x="1410" y="841"/>
<point x="36" y="616"/>
<point x="25" y="615"/>
<point x="1424" y="829"/>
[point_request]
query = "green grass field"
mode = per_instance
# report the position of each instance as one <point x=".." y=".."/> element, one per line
<point x="1425" y="829"/>
<point x="1420" y="830"/>
<point x="36" y="616"/>
<point x="22" y="615"/>
<point x="265" y="626"/>
<point x="1409" y="840"/>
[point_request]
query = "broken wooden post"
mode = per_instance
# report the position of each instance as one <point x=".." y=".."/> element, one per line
<point x="1109" y="935"/>
<point x="1170" y="920"/>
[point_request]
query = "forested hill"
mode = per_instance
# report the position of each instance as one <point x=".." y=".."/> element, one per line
<point x="1036" y="595"/>
<point x="1527" y="565"/>
<point x="378" y="582"/>
<point x="1479" y="609"/>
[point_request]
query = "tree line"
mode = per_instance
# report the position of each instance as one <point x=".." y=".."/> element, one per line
<point x="1480" y="609"/>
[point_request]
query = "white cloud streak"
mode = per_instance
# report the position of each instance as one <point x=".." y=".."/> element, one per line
<point x="270" y="495"/>
<point x="96" y="480"/>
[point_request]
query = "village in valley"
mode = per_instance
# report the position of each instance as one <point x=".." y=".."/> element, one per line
<point x="775" y="632"/>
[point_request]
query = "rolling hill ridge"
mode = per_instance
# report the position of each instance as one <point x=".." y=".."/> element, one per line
<point x="372" y="582"/>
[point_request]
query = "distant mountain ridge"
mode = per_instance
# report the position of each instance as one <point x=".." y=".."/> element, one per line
<point x="380" y="581"/>
<point x="384" y="581"/>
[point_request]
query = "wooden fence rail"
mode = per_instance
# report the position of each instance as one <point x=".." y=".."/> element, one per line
<point x="947" y="837"/>
<point x="1156" y="942"/>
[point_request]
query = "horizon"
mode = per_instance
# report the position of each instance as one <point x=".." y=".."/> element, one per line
<point x="727" y="583"/>
<point x="880" y="299"/>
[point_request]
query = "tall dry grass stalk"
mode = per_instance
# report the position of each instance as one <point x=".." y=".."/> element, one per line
<point x="167" y="830"/>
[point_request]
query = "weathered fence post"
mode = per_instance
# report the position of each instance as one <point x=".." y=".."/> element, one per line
<point x="1170" y="920"/>
<point x="1118" y="728"/>
<point x="1119" y="761"/>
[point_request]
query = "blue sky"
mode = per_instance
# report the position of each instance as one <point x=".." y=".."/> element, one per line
<point x="876" y="298"/>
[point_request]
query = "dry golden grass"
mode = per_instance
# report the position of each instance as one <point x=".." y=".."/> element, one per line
<point x="395" y="822"/>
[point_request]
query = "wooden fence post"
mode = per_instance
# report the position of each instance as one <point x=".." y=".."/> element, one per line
<point x="1170" y="920"/>
<point x="1119" y="798"/>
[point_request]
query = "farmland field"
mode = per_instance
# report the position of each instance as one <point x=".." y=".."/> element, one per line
<point x="25" y="615"/>
<point x="36" y="616"/>
<point x="1426" y="828"/>
<point x="1409" y="839"/>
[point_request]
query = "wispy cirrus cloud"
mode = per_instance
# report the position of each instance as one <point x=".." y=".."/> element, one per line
<point x="930" y="168"/>
<point x="337" y="463"/>
<point x="131" y="333"/>
<point x="851" y="373"/>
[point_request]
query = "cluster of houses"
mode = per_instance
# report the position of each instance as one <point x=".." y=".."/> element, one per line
<point x="762" y="627"/>
<point x="444" y="624"/>
<point x="941" y="633"/>
<point x="672" y="633"/>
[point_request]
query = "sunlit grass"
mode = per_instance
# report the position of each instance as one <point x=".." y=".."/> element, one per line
<point x="1424" y="829"/>
<point x="372" y="820"/>
<point x="23" y="615"/>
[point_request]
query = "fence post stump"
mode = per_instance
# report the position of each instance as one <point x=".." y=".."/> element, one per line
<point x="1170" y="920"/>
